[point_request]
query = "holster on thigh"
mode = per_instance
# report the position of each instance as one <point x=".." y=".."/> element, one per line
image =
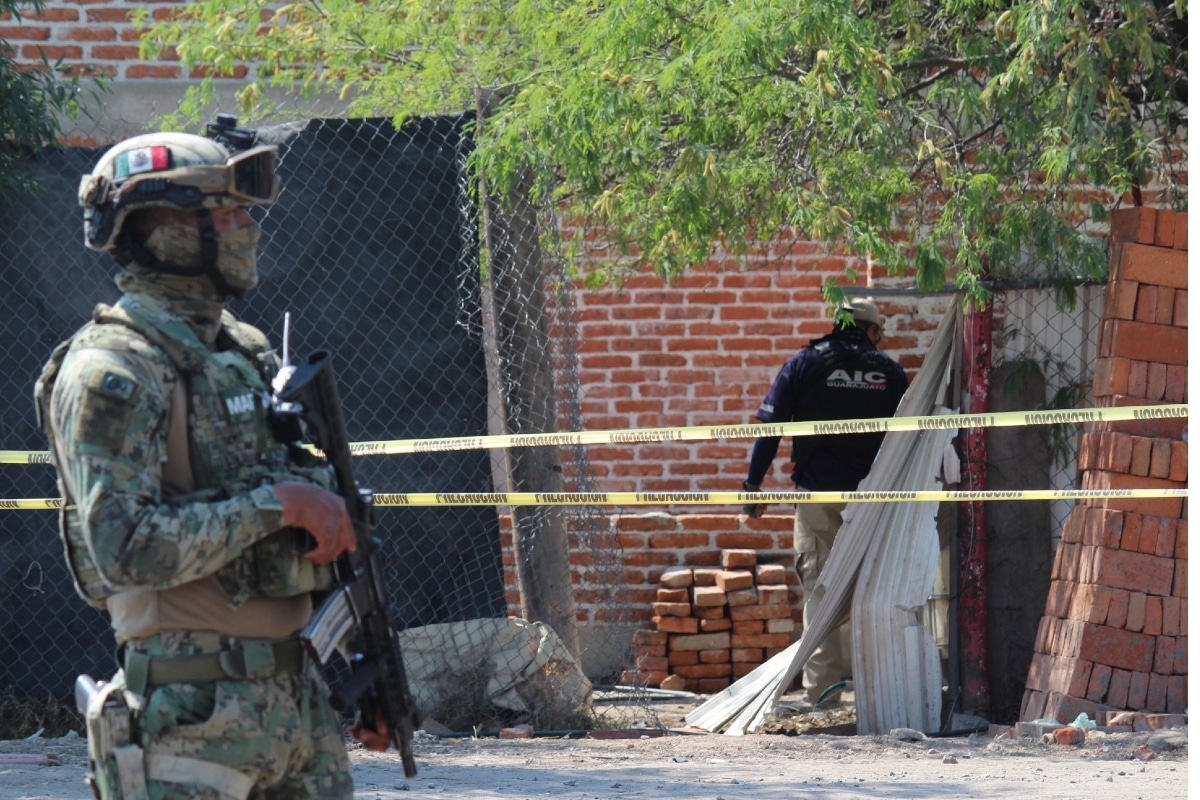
<point x="119" y="768"/>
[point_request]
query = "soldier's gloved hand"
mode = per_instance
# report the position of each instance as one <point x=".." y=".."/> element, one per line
<point x="320" y="512"/>
<point x="752" y="509"/>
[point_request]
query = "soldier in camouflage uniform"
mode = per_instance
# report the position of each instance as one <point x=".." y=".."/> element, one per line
<point x="183" y="517"/>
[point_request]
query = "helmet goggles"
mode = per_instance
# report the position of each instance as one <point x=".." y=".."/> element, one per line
<point x="246" y="178"/>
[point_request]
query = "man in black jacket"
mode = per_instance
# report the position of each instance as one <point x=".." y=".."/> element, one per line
<point x="839" y="376"/>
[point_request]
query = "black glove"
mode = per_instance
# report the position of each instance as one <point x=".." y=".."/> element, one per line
<point x="752" y="509"/>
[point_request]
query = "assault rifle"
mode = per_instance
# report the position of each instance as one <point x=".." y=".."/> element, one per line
<point x="353" y="617"/>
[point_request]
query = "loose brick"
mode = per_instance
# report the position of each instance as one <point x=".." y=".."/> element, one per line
<point x="649" y="637"/>
<point x="1140" y="459"/>
<point x="1033" y="705"/>
<point x="703" y="671"/>
<point x="671" y="609"/>
<point x="1122" y="569"/>
<point x="714" y="625"/>
<point x="1167" y="532"/>
<point x="1154" y="617"/>
<point x="1148" y="541"/>
<point x="676" y="578"/>
<point x="1136" y="616"/>
<point x="708" y="596"/>
<point x="1066" y="708"/>
<point x="1181" y="655"/>
<point x="1164" y="655"/>
<point x="779" y="625"/>
<point x="1116" y="647"/>
<point x="779" y="611"/>
<point x="683" y="658"/>
<point x="750" y="654"/>
<point x="673" y="683"/>
<point x="682" y="625"/>
<point x="1177" y="694"/>
<point x="1040" y="668"/>
<point x="1111" y="376"/>
<point x="713" y="612"/>
<point x="714" y="656"/>
<point x="1153" y="265"/>
<point x="1164" y="313"/>
<point x="1181" y="230"/>
<point x="1131" y="532"/>
<point x="1138" y="683"/>
<point x="732" y="580"/>
<point x="1118" y="608"/>
<point x="1176" y="388"/>
<point x="1137" y="224"/>
<point x="749" y="626"/>
<point x="705" y="576"/>
<point x="770" y="574"/>
<point x="652" y="664"/>
<point x="1069" y="735"/>
<point x="761" y="640"/>
<point x="1156" y="693"/>
<point x="700" y="641"/>
<point x="1118" y="689"/>
<point x="1178" y="470"/>
<point x="1164" y="228"/>
<point x="1156" y="381"/>
<point x="738" y="559"/>
<point x="1131" y="339"/>
<point x="672" y="596"/>
<point x="773" y="595"/>
<point x="1137" y="379"/>
<point x="743" y="597"/>
<point x="1179" y="581"/>
<point x="1146" y="306"/>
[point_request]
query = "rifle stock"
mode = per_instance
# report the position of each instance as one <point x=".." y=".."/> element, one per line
<point x="354" y="616"/>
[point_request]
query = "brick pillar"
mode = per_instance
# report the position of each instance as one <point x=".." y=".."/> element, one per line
<point x="1114" y="634"/>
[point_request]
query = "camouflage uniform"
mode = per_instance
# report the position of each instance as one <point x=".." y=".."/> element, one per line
<point x="166" y="463"/>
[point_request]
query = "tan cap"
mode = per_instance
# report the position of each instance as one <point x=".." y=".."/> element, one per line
<point x="863" y="309"/>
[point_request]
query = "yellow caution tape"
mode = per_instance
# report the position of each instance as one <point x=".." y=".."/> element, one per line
<point x="751" y="431"/>
<point x="715" y="498"/>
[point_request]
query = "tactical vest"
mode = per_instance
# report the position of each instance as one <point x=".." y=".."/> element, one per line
<point x="852" y="384"/>
<point x="230" y="444"/>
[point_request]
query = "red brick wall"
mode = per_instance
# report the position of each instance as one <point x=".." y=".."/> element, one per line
<point x="93" y="38"/>
<point x="1114" y="634"/>
<point x="703" y="350"/>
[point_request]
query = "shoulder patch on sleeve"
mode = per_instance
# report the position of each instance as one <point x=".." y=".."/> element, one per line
<point x="106" y="407"/>
<point x="113" y="382"/>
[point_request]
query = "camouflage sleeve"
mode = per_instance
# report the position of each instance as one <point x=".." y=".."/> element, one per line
<point x="109" y="417"/>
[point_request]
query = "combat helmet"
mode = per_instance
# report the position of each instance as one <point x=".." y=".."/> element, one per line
<point x="174" y="170"/>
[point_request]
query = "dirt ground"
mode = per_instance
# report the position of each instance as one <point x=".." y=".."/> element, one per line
<point x="680" y="765"/>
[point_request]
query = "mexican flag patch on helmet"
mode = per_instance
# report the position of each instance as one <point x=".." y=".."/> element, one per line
<point x="142" y="159"/>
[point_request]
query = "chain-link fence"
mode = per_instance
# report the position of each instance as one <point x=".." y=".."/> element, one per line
<point x="447" y="319"/>
<point x="375" y="249"/>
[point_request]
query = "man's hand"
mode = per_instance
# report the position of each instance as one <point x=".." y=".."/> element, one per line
<point x="752" y="509"/>
<point x="378" y="738"/>
<point x="320" y="512"/>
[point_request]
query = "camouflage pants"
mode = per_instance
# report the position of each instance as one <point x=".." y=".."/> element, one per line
<point x="816" y="526"/>
<point x="279" y="731"/>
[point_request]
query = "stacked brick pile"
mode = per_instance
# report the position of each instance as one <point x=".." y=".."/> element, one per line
<point x="713" y="625"/>
<point x="1114" y="635"/>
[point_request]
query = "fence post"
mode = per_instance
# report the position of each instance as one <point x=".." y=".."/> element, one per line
<point x="972" y="591"/>
<point x="515" y="293"/>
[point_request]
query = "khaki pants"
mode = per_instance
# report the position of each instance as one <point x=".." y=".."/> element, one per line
<point x="816" y="526"/>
